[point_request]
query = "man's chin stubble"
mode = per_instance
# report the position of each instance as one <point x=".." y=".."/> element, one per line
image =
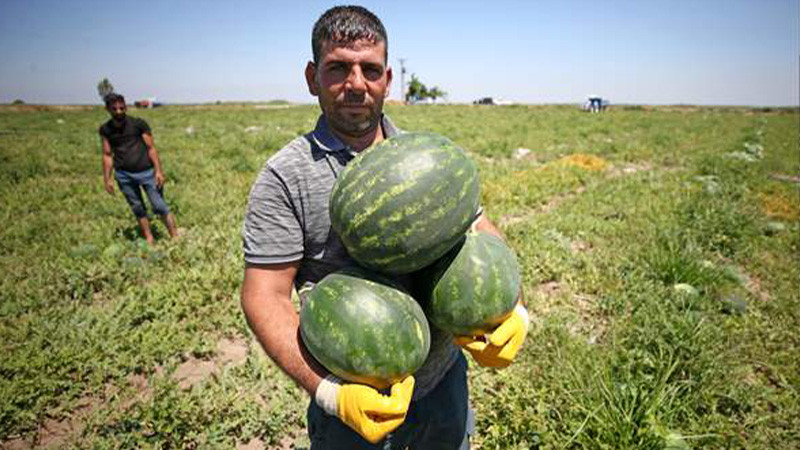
<point x="359" y="128"/>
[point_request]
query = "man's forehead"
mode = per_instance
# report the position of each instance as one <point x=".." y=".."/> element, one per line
<point x="358" y="45"/>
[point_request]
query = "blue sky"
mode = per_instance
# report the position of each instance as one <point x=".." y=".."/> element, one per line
<point x="732" y="52"/>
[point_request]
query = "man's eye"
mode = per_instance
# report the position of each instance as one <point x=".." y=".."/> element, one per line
<point x="373" y="72"/>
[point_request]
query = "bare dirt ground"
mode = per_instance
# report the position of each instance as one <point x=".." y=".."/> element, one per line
<point x="63" y="433"/>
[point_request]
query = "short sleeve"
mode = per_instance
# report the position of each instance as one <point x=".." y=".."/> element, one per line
<point x="272" y="233"/>
<point x="143" y="127"/>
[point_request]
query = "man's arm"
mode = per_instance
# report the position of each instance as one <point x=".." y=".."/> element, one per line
<point x="152" y="153"/>
<point x="108" y="164"/>
<point x="267" y="305"/>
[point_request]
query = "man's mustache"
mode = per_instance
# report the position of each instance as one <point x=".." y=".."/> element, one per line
<point x="351" y="99"/>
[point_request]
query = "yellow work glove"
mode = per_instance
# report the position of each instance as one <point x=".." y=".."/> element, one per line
<point x="371" y="414"/>
<point x="498" y="348"/>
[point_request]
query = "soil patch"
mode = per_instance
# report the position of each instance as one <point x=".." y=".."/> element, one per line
<point x="783" y="177"/>
<point x="549" y="289"/>
<point x="253" y="444"/>
<point x="194" y="370"/>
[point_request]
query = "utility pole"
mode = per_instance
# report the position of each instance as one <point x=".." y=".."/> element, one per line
<point x="402" y="79"/>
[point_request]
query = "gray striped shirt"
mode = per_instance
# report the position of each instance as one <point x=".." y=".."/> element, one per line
<point x="287" y="220"/>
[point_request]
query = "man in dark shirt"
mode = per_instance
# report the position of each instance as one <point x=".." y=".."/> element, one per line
<point x="128" y="150"/>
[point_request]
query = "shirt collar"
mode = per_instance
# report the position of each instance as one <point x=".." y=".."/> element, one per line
<point x="328" y="141"/>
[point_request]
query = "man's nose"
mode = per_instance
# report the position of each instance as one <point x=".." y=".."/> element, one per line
<point x="355" y="80"/>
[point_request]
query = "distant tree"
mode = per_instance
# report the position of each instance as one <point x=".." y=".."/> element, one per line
<point x="104" y="87"/>
<point x="18" y="102"/>
<point x="418" y="91"/>
<point x="435" y="93"/>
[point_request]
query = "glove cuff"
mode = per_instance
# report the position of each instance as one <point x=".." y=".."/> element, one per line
<point x="520" y="309"/>
<point x="327" y="393"/>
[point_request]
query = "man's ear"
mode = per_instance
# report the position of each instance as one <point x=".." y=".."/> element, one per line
<point x="388" y="81"/>
<point x="311" y="78"/>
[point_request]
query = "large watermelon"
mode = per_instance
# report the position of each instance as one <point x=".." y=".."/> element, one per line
<point x="474" y="287"/>
<point x="364" y="329"/>
<point x="403" y="203"/>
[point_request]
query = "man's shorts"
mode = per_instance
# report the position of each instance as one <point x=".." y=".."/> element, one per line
<point x="440" y="420"/>
<point x="131" y="185"/>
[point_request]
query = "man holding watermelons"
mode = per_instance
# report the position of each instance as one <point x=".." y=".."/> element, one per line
<point x="295" y="235"/>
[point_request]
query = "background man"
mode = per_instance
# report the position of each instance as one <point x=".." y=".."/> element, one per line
<point x="288" y="241"/>
<point x="128" y="149"/>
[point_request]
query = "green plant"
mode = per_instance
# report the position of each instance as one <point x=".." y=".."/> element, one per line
<point x="94" y="326"/>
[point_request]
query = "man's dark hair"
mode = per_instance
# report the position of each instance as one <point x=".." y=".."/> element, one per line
<point x="345" y="25"/>
<point x="112" y="98"/>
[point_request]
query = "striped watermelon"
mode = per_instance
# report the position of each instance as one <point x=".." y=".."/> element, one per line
<point x="403" y="203"/>
<point x="474" y="287"/>
<point x="364" y="329"/>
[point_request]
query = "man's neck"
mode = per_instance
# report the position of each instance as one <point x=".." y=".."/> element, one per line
<point x="358" y="143"/>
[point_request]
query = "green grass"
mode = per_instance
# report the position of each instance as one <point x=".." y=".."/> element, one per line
<point x="96" y="328"/>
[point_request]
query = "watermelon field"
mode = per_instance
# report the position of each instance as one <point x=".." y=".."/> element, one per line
<point x="658" y="248"/>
